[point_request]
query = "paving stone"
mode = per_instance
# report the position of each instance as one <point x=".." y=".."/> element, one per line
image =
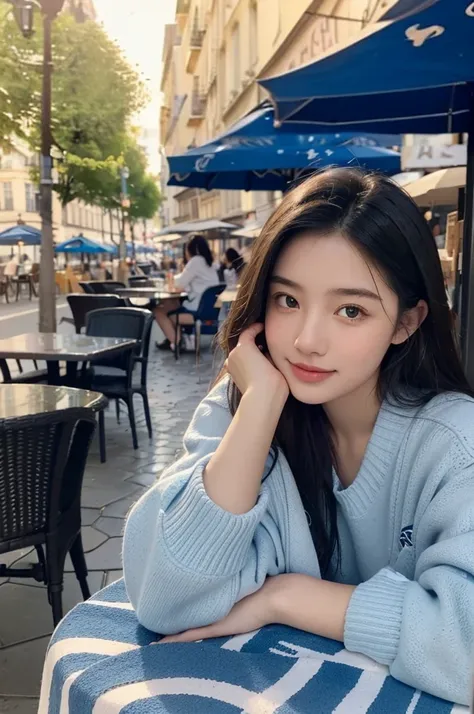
<point x="100" y="497"/>
<point x="107" y="557"/>
<point x="18" y="705"/>
<point x="92" y="538"/>
<point x="89" y="515"/>
<point x="146" y="479"/>
<point x="120" y="509"/>
<point x="36" y="617"/>
<point x="112" y="527"/>
<point x="21" y="667"/>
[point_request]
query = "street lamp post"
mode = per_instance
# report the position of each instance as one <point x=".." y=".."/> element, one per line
<point x="23" y="10"/>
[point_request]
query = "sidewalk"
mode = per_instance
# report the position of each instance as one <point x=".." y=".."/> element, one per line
<point x="109" y="491"/>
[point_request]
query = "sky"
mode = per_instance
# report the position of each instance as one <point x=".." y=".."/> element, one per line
<point x="138" y="27"/>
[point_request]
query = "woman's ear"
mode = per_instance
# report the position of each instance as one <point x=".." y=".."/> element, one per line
<point x="409" y="323"/>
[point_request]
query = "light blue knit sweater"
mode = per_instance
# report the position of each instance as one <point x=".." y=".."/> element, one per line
<point x="407" y="538"/>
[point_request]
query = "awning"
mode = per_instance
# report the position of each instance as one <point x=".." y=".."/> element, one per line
<point x="251" y="230"/>
<point x="440" y="188"/>
<point x="21" y="233"/>
<point x="418" y="67"/>
<point x="81" y="244"/>
<point x="252" y="155"/>
<point x="212" y="224"/>
<point x="172" y="238"/>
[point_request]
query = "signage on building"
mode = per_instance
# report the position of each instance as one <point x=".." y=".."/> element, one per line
<point x="315" y="38"/>
<point x="426" y="154"/>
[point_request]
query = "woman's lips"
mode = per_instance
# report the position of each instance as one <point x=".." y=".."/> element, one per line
<point x="305" y="373"/>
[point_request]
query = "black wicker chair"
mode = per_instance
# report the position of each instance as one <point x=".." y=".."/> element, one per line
<point x="118" y="383"/>
<point x="81" y="305"/>
<point x="105" y="287"/>
<point x="42" y="462"/>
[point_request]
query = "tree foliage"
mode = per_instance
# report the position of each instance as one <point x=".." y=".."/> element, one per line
<point x="95" y="93"/>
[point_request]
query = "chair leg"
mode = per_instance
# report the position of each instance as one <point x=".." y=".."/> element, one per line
<point x="176" y="339"/>
<point x="131" y="416"/>
<point x="80" y="567"/>
<point x="117" y="410"/>
<point x="146" y="407"/>
<point x="55" y="574"/>
<point x="198" y="349"/>
<point x="102" y="446"/>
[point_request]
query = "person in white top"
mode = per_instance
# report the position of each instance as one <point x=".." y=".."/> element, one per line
<point x="11" y="268"/>
<point x="198" y="275"/>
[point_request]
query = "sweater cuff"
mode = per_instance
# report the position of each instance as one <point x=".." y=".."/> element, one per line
<point x="374" y="616"/>
<point x="204" y="537"/>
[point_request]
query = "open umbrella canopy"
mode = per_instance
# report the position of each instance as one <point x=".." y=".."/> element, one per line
<point x="252" y="155"/>
<point x="211" y="224"/>
<point x="438" y="188"/>
<point x="81" y="244"/>
<point x="419" y="67"/>
<point x="28" y="235"/>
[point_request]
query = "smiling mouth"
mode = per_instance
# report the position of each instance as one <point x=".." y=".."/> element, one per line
<point x="307" y="373"/>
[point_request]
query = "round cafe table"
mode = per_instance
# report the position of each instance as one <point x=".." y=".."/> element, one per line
<point x="21" y="400"/>
<point x="101" y="661"/>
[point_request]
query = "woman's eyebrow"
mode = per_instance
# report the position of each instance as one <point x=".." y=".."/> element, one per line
<point x="356" y="292"/>
<point x="285" y="281"/>
<point x="341" y="292"/>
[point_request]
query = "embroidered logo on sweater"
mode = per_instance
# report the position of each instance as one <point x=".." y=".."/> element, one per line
<point x="406" y="537"/>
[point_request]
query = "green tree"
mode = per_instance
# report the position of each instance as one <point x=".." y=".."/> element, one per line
<point x="20" y="97"/>
<point x="95" y="93"/>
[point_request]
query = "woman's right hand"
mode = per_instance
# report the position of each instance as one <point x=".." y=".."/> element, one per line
<point x="251" y="369"/>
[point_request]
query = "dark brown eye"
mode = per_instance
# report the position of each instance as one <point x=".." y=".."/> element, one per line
<point x="286" y="301"/>
<point x="351" y="311"/>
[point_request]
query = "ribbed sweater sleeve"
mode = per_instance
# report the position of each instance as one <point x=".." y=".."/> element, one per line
<point x="186" y="560"/>
<point x="423" y="629"/>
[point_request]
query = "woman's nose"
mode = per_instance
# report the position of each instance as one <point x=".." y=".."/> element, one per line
<point x="312" y="337"/>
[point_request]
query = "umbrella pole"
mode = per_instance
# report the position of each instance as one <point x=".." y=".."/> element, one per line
<point x="467" y="280"/>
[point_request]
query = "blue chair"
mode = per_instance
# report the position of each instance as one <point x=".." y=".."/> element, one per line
<point x="206" y="318"/>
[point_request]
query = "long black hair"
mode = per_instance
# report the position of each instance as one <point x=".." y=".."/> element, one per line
<point x="235" y="259"/>
<point x="387" y="228"/>
<point x="198" y="245"/>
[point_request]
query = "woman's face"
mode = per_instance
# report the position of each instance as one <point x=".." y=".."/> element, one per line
<point x="188" y="254"/>
<point x="329" y="309"/>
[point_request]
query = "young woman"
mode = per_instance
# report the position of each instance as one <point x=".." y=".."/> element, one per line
<point x="233" y="267"/>
<point x="327" y="481"/>
<point x="197" y="275"/>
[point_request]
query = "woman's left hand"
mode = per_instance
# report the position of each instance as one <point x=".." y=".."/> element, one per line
<point x="249" y="614"/>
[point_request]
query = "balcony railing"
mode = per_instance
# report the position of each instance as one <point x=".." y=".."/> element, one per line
<point x="196" y="38"/>
<point x="182" y="7"/>
<point x="198" y="104"/>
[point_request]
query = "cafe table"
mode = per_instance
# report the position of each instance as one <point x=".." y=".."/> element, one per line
<point x="156" y="295"/>
<point x="55" y="348"/>
<point x="26" y="400"/>
<point x="101" y="661"/>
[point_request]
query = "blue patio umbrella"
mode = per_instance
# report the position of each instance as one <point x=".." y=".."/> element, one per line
<point x="28" y="235"/>
<point x="81" y="244"/>
<point x="414" y="74"/>
<point x="409" y="75"/>
<point x="252" y="155"/>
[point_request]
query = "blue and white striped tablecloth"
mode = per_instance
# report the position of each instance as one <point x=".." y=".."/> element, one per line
<point x="101" y="661"/>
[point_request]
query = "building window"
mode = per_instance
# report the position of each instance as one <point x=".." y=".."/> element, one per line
<point x="7" y="196"/>
<point x="235" y="58"/>
<point x="7" y="161"/>
<point x="221" y="79"/>
<point x="253" y="32"/>
<point x="194" y="204"/>
<point x="30" y="198"/>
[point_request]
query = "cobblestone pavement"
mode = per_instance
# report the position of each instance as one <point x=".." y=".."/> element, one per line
<point x="108" y="493"/>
